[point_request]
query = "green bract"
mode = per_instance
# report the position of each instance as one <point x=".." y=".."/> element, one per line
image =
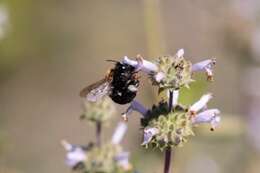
<point x="174" y="127"/>
<point x="99" y="111"/>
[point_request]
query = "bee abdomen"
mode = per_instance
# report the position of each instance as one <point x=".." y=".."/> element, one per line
<point x="124" y="84"/>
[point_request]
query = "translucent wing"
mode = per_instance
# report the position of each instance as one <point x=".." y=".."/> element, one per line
<point x="96" y="90"/>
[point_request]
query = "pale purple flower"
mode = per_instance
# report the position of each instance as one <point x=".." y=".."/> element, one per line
<point x="135" y="106"/>
<point x="149" y="133"/>
<point x="206" y="65"/>
<point x="119" y="133"/>
<point x="141" y="64"/>
<point x="208" y="116"/>
<point x="202" y="103"/>
<point x="180" y="53"/>
<point x="159" y="76"/>
<point x="122" y="160"/>
<point x="75" y="154"/>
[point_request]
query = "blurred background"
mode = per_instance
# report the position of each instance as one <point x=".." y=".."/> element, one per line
<point x="50" y="49"/>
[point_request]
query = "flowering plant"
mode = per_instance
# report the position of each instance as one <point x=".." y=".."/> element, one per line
<point x="165" y="125"/>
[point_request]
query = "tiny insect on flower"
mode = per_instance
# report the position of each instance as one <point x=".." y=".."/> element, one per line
<point x="121" y="85"/>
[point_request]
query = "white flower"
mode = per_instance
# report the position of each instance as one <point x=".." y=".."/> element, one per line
<point x="135" y="106"/>
<point x="75" y="154"/>
<point x="202" y="103"/>
<point x="159" y="76"/>
<point x="148" y="134"/>
<point x="119" y="133"/>
<point x="208" y="116"/>
<point x="180" y="53"/>
<point x="141" y="64"/>
<point x="122" y="160"/>
<point x="206" y="65"/>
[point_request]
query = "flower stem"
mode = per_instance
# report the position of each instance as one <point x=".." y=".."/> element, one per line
<point x="168" y="151"/>
<point x="167" y="160"/>
<point x="98" y="133"/>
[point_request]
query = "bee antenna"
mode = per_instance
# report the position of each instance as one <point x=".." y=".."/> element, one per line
<point x="111" y="60"/>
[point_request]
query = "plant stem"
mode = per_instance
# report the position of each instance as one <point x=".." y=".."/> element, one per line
<point x="98" y="133"/>
<point x="170" y="100"/>
<point x="167" y="160"/>
<point x="168" y="151"/>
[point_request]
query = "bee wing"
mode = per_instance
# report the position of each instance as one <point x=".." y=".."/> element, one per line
<point x="96" y="90"/>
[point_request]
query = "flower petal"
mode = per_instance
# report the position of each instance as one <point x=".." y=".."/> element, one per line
<point x="200" y="66"/>
<point x="208" y="116"/>
<point x="135" y="106"/>
<point x="159" y="76"/>
<point x="201" y="103"/>
<point x="180" y="53"/>
<point x="122" y="160"/>
<point x="75" y="155"/>
<point x="119" y="133"/>
<point x="141" y="64"/>
<point x="148" y="134"/>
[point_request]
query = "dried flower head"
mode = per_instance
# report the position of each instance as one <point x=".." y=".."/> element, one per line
<point x="99" y="111"/>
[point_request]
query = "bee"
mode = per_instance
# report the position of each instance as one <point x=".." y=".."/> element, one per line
<point x="120" y="84"/>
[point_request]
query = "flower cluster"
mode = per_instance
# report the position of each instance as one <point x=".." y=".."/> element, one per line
<point x="169" y="124"/>
<point x="109" y="158"/>
<point x="100" y="111"/>
<point x="165" y="125"/>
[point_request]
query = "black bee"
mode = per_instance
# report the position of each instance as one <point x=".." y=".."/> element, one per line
<point x="121" y="84"/>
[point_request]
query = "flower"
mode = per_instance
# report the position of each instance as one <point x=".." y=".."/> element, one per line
<point x="206" y="65"/>
<point x="110" y="157"/>
<point x="122" y="160"/>
<point x="100" y="111"/>
<point x="134" y="106"/>
<point x="173" y="72"/>
<point x="75" y="154"/>
<point x="171" y="128"/>
<point x="149" y="133"/>
<point x="141" y="64"/>
<point x="180" y="53"/>
<point x="119" y="133"/>
<point x="208" y="116"/>
<point x="202" y="103"/>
